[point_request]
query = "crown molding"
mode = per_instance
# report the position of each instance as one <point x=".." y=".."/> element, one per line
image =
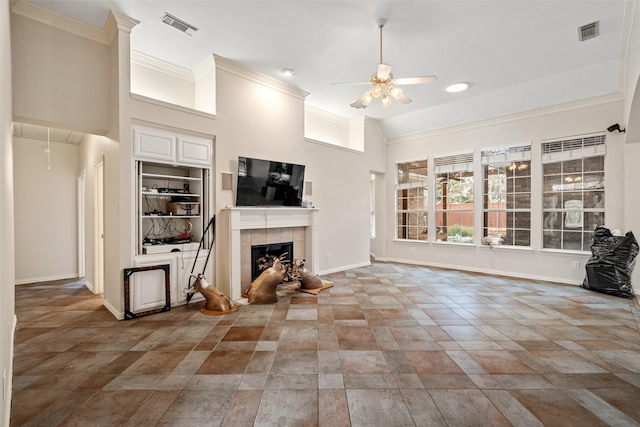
<point x="118" y="22"/>
<point x="159" y="65"/>
<point x="246" y="73"/>
<point x="56" y="20"/>
<point x="115" y="21"/>
<point x="318" y="112"/>
<point x="204" y="67"/>
<point x="543" y="111"/>
<point x="169" y="105"/>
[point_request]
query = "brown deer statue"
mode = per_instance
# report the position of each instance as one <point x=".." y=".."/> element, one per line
<point x="263" y="289"/>
<point x="215" y="301"/>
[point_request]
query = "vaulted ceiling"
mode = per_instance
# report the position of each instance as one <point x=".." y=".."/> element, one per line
<point x="517" y="55"/>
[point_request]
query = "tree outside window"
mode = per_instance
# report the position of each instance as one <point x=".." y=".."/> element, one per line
<point x="454" y="198"/>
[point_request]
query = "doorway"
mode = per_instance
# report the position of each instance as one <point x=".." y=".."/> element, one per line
<point x="81" y="224"/>
<point x="377" y="216"/>
<point x="98" y="218"/>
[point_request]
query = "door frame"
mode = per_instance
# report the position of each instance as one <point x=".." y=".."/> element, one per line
<point x="81" y="223"/>
<point x="98" y="229"/>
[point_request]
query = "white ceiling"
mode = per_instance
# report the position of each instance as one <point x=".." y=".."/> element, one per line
<point x="517" y="55"/>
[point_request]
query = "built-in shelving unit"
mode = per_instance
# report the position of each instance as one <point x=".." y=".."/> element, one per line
<point x="171" y="208"/>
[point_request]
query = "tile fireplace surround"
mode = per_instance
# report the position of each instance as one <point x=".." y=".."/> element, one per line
<point x="243" y="227"/>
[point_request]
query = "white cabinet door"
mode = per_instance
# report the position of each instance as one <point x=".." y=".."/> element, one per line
<point x="154" y="144"/>
<point x="147" y="288"/>
<point x="194" y="151"/>
<point x="185" y="265"/>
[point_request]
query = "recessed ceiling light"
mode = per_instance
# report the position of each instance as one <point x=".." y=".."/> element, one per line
<point x="288" y="72"/>
<point x="457" y="87"/>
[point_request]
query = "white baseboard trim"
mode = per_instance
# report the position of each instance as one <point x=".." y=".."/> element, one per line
<point x="118" y="314"/>
<point x="8" y="385"/>
<point x="487" y="271"/>
<point x="46" y="278"/>
<point x="344" y="267"/>
<point x="89" y="286"/>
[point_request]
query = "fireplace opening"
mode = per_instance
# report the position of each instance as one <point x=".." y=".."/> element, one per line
<point x="262" y="253"/>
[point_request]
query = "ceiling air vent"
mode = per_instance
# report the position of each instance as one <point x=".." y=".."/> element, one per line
<point x="178" y="24"/>
<point x="588" y="31"/>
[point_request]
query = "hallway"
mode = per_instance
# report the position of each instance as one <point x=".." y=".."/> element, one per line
<point x="388" y="345"/>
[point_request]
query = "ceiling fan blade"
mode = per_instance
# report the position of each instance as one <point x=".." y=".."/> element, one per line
<point x="383" y="71"/>
<point x="350" y="83"/>
<point x="362" y="102"/>
<point x="358" y="104"/>
<point x="415" y="80"/>
<point x="404" y="98"/>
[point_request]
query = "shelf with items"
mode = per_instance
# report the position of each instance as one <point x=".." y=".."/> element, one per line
<point x="171" y="208"/>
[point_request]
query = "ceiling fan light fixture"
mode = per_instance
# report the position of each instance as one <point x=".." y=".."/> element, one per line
<point x="395" y="92"/>
<point x="288" y="72"/>
<point x="386" y="101"/>
<point x="457" y="87"/>
<point x="376" y="91"/>
<point x="367" y="98"/>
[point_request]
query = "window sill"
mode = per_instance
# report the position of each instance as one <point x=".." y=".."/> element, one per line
<point x="396" y="240"/>
<point x="468" y="245"/>
<point x="508" y="248"/>
<point x="565" y="252"/>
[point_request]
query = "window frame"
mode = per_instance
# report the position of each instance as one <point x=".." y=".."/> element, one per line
<point x="516" y="160"/>
<point x="447" y="167"/>
<point x="564" y="184"/>
<point x="403" y="197"/>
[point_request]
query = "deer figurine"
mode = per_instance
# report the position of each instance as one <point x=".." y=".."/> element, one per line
<point x="307" y="279"/>
<point x="263" y="289"/>
<point x="214" y="299"/>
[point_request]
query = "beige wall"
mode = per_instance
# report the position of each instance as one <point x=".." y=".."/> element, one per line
<point x="59" y="77"/>
<point x="157" y="84"/>
<point x="7" y="299"/>
<point x="46" y="246"/>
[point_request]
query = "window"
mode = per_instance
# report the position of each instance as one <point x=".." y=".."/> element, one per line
<point x="411" y="201"/>
<point x="507" y="196"/>
<point x="573" y="186"/>
<point x="454" y="198"/>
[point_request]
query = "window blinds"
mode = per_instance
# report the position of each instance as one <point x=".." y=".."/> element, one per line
<point x="455" y="163"/>
<point x="506" y="155"/>
<point x="573" y="148"/>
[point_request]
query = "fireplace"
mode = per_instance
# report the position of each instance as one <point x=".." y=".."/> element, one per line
<point x="241" y="228"/>
<point x="261" y="256"/>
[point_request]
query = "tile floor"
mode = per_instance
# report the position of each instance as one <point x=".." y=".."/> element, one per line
<point x="388" y="345"/>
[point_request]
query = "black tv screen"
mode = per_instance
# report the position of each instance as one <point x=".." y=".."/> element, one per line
<point x="269" y="183"/>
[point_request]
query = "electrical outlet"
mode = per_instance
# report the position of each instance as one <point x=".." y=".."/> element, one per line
<point x="576" y="264"/>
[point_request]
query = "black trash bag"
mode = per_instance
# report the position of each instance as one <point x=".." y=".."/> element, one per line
<point x="611" y="264"/>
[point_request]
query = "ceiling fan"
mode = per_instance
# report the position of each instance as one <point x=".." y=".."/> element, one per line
<point x="384" y="85"/>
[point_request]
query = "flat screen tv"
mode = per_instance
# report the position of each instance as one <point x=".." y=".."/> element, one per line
<point x="269" y="183"/>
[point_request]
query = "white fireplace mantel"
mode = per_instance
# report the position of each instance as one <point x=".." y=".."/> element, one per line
<point x="234" y="220"/>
